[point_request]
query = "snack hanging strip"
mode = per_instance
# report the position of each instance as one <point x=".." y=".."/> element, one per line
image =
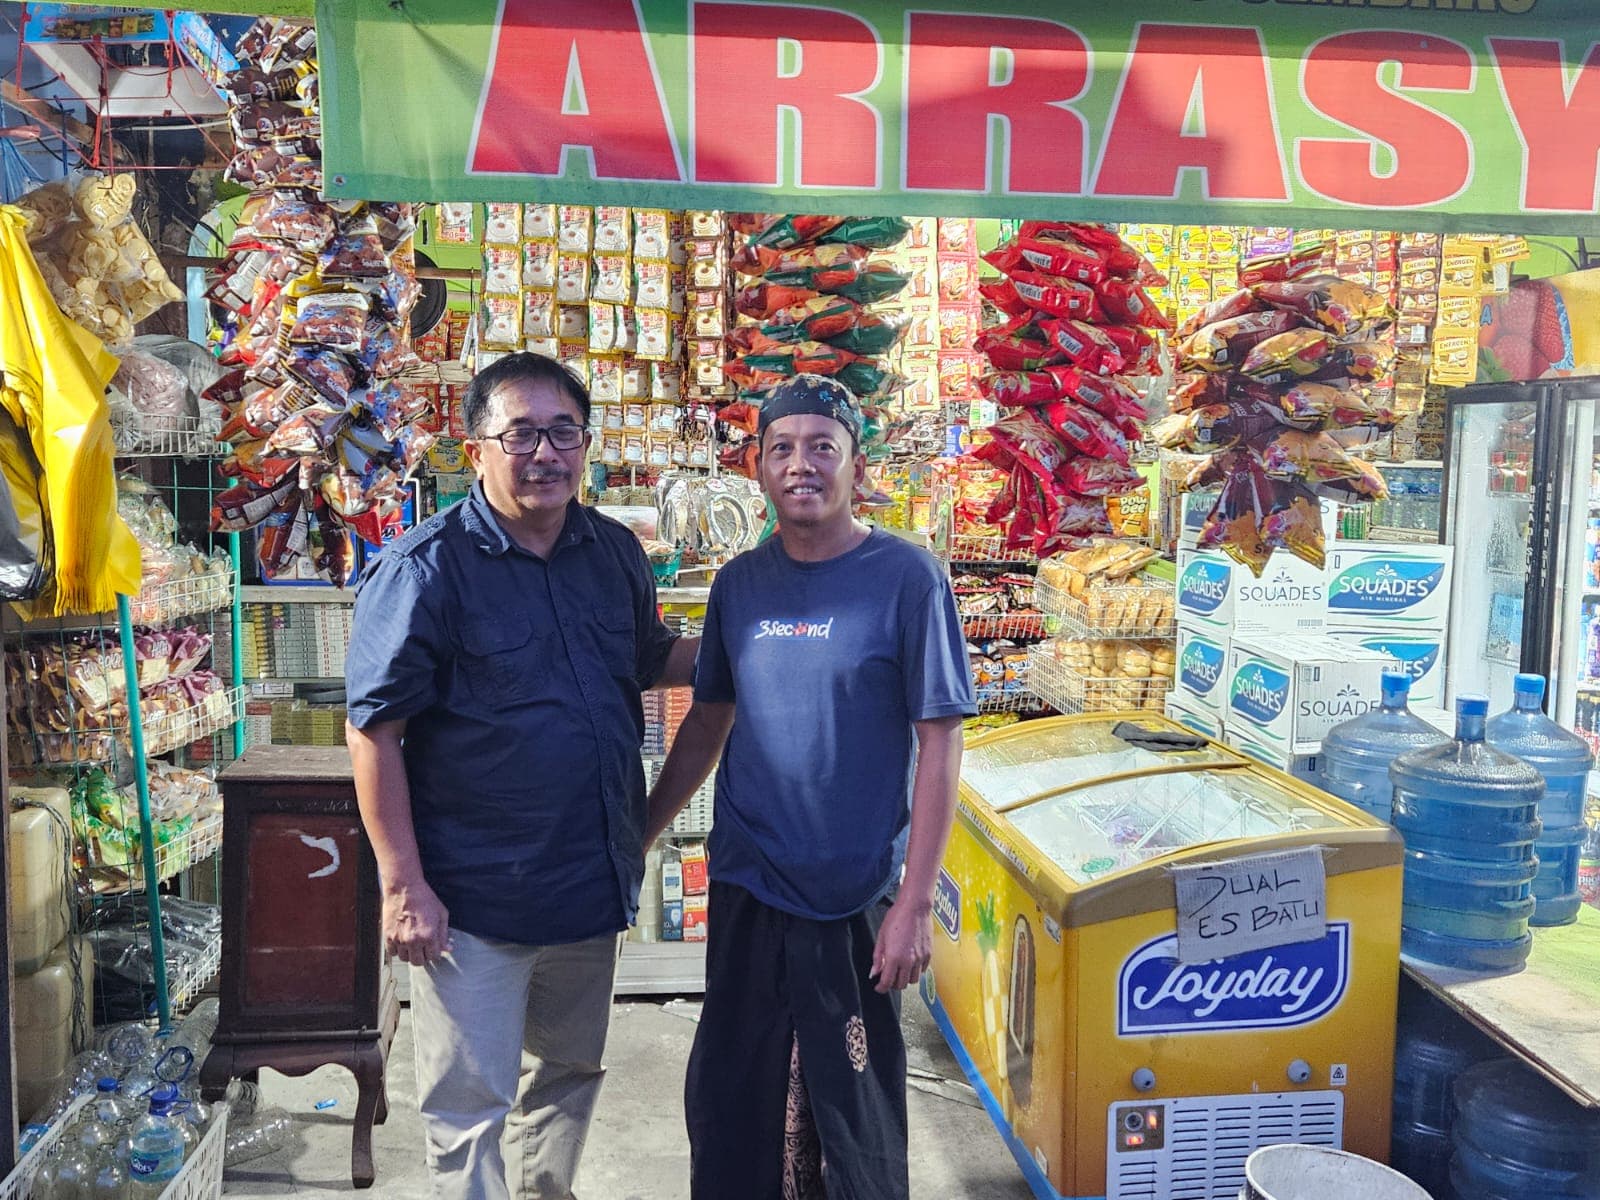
<point x="1081" y="329"/>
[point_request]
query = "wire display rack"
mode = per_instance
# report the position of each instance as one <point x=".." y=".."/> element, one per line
<point x="1109" y="611"/>
<point x="187" y="596"/>
<point x="1069" y="691"/>
<point x="195" y="845"/>
<point x="189" y="981"/>
<point x="983" y="549"/>
<point x="163" y="732"/>
<point x="166" y="437"/>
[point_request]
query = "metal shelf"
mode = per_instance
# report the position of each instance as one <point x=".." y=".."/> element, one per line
<point x="186" y="985"/>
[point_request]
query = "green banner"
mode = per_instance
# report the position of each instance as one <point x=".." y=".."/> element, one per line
<point x="1409" y="114"/>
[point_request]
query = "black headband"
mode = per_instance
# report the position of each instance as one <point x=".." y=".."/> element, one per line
<point x="815" y="396"/>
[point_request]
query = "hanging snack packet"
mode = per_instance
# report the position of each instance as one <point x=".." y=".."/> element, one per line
<point x="1305" y="259"/>
<point x="1013" y="352"/>
<point x="803" y="266"/>
<point x="1295" y="354"/>
<point x="500" y="322"/>
<point x="611" y="230"/>
<point x="1022" y="389"/>
<point x="875" y="233"/>
<point x="818" y="319"/>
<point x="454" y="223"/>
<point x="539" y="266"/>
<point x="869" y="381"/>
<point x="335" y="320"/>
<point x="539" y="222"/>
<point x="1235" y="304"/>
<point x="763" y="300"/>
<point x="1224" y="345"/>
<point x="1337" y="305"/>
<point x="1064" y="257"/>
<point x="572" y="278"/>
<point x="539" y="315"/>
<point x="612" y="280"/>
<point x="1003" y="295"/>
<point x="1213" y="427"/>
<point x="1059" y="297"/>
<point x="502" y="224"/>
<point x="1140" y="349"/>
<point x="575" y="229"/>
<point x="356" y="253"/>
<point x="1316" y="460"/>
<point x="873" y="333"/>
<point x="1126" y="300"/>
<point x="502" y="269"/>
<point x="1097" y="477"/>
<point x="782" y="231"/>
<point x="1088" y="347"/>
<point x="1085" y="431"/>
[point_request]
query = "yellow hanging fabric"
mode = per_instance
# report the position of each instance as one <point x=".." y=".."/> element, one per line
<point x="53" y="377"/>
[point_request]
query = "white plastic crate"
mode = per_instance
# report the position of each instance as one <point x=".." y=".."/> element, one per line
<point x="200" y="1179"/>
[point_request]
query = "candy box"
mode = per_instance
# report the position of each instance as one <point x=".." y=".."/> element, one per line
<point x="1285" y="693"/>
<point x="1372" y="585"/>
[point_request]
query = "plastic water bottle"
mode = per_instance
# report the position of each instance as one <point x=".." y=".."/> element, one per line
<point x="1565" y="760"/>
<point x="155" y="1155"/>
<point x="1356" y="755"/>
<point x="1469" y="815"/>
<point x="1516" y="1135"/>
<point x="111" y="1106"/>
<point x="243" y="1097"/>
<point x="111" y="1180"/>
<point x="128" y="1045"/>
<point x="1432" y="1047"/>
<point x="267" y="1132"/>
<point x="74" y="1173"/>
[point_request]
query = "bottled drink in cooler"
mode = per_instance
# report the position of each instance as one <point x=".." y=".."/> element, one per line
<point x="1564" y="759"/>
<point x="1517" y="1137"/>
<point x="1469" y="814"/>
<point x="155" y="1155"/>
<point x="1354" y="764"/>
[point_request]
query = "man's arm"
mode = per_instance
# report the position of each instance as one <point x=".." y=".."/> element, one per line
<point x="416" y="927"/>
<point x="694" y="752"/>
<point x="679" y="671"/>
<point x="905" y="940"/>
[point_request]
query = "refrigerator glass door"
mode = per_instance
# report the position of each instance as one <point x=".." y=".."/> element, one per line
<point x="1093" y="831"/>
<point x="1491" y="526"/>
<point x="1411" y="513"/>
<point x="1057" y="754"/>
<point x="1574" y="690"/>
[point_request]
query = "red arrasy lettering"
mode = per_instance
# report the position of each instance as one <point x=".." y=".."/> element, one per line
<point x="950" y="98"/>
<point x="1558" y="119"/>
<point x="1239" y="150"/>
<point x="547" y="50"/>
<point x="738" y="93"/>
<point x="1342" y="80"/>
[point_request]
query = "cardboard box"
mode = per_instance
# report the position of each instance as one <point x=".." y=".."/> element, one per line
<point x="1301" y="766"/>
<point x="1285" y="693"/>
<point x="1192" y="716"/>
<point x="1202" y="665"/>
<point x="1291" y="596"/>
<point x="671" y="879"/>
<point x="694" y="920"/>
<point x="1374" y="585"/>
<point x="1420" y="653"/>
<point x="1195" y="507"/>
<point x="695" y="881"/>
<point x="672" y="920"/>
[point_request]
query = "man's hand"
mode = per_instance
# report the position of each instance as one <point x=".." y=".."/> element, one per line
<point x="905" y="944"/>
<point x="416" y="927"/>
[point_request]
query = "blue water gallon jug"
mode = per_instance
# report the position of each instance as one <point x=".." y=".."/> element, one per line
<point x="1565" y="760"/>
<point x="1469" y="815"/>
<point x="1355" y="758"/>
<point x="1517" y="1137"/>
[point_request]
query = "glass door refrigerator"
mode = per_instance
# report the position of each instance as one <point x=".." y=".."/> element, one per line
<point x="1522" y="509"/>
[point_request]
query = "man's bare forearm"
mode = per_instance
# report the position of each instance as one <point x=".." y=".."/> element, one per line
<point x="679" y="669"/>
<point x="384" y="798"/>
<point x="933" y="805"/>
<point x="695" y="751"/>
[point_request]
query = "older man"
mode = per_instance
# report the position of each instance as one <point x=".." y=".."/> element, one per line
<point x="494" y="678"/>
<point x="835" y="657"/>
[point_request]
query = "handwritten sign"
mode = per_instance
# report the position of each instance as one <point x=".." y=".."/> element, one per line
<point x="1250" y="903"/>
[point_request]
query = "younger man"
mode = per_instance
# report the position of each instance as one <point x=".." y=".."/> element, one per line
<point x="834" y="655"/>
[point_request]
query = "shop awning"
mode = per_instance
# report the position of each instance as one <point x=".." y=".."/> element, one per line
<point x="1456" y="114"/>
<point x="243" y="8"/>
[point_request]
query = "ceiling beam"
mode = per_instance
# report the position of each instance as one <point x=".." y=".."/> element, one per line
<point x="47" y="113"/>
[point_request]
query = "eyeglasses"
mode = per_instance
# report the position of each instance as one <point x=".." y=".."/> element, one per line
<point x="525" y="439"/>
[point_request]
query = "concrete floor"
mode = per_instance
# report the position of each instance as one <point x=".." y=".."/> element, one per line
<point x="636" y="1148"/>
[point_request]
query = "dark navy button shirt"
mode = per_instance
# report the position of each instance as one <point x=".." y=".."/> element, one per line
<point x="519" y="680"/>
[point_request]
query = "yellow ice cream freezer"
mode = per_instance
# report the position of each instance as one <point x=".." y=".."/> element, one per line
<point x="1113" y="1064"/>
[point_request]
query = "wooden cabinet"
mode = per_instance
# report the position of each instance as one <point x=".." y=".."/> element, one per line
<point x="304" y="979"/>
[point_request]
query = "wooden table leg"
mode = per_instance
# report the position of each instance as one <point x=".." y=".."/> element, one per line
<point x="368" y="1070"/>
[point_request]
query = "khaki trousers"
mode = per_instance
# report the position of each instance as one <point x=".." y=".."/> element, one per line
<point x="509" y="1041"/>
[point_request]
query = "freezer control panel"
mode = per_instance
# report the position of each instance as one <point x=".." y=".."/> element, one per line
<point x="1138" y="1127"/>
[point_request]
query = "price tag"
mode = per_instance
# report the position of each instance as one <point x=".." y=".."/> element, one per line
<point x="1250" y="903"/>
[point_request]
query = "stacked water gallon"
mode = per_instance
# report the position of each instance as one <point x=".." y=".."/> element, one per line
<point x="1432" y="1047"/>
<point x="1354" y="764"/>
<point x="1518" y="1138"/>
<point x="1565" y="760"/>
<point x="1469" y="815"/>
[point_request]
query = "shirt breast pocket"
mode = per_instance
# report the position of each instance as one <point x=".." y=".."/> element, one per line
<point x="503" y="660"/>
<point x="618" y="645"/>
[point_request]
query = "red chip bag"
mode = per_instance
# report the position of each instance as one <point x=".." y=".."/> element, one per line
<point x="1096" y="477"/>
<point x="762" y="300"/>
<point x="1012" y="352"/>
<point x="1303" y="260"/>
<point x="1139" y="349"/>
<point x="816" y="319"/>
<point x="1087" y="347"/>
<point x="1001" y="294"/>
<point x="1064" y="257"/>
<point x="1237" y="304"/>
<point x="1085" y="430"/>
<point x="1126" y="300"/>
<point x="1106" y="394"/>
<point x="741" y="416"/>
<point x="1059" y="297"/>
<point x="1019" y="389"/>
